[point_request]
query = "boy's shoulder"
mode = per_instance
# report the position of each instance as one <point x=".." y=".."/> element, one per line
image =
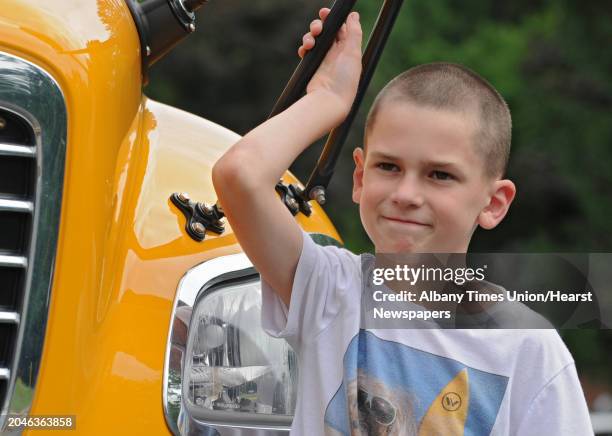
<point x="519" y="348"/>
<point x="329" y="250"/>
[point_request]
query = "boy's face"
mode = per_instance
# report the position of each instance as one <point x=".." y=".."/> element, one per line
<point x="422" y="186"/>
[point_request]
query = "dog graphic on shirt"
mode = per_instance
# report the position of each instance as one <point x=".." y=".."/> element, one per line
<point x="375" y="409"/>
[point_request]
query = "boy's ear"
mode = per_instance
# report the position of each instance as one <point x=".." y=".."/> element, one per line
<point x="359" y="158"/>
<point x="499" y="203"/>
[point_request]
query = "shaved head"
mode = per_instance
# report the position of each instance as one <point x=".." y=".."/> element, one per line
<point x="454" y="88"/>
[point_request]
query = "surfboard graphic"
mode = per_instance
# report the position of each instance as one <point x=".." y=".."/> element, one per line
<point x="449" y="410"/>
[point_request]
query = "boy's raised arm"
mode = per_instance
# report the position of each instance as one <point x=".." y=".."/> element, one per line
<point x="244" y="178"/>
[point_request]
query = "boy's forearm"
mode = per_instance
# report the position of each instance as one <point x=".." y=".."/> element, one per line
<point x="266" y="152"/>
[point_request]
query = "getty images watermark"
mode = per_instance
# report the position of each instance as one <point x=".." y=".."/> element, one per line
<point x="499" y="290"/>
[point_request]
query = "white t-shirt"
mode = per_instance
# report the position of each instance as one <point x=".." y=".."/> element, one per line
<point x="354" y="381"/>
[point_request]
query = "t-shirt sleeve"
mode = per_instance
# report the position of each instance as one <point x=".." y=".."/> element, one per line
<point x="323" y="281"/>
<point x="559" y="408"/>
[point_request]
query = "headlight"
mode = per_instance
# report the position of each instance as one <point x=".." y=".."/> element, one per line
<point x="233" y="367"/>
<point x="221" y="368"/>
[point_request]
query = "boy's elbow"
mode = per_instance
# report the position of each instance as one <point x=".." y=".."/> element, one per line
<point x="219" y="170"/>
<point x="224" y="176"/>
<point x="230" y="173"/>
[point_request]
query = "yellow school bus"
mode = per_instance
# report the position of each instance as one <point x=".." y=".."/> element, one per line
<point x="127" y="306"/>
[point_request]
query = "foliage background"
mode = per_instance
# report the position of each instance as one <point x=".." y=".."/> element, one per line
<point x="549" y="59"/>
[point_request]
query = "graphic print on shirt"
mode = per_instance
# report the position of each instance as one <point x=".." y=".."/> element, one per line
<point x="392" y="389"/>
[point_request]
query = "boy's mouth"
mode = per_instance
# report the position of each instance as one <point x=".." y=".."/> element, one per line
<point x="405" y="221"/>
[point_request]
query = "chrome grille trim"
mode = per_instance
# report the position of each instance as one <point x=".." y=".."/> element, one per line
<point x="16" y="205"/>
<point x="17" y="150"/>
<point x="33" y="95"/>
<point x="13" y="261"/>
<point x="9" y="317"/>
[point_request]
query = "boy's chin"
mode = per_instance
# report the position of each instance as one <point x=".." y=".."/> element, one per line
<point x="398" y="246"/>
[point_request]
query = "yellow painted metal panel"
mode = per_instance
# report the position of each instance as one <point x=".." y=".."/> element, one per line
<point x="122" y="245"/>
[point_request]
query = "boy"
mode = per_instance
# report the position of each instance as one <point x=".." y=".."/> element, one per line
<point x="436" y="146"/>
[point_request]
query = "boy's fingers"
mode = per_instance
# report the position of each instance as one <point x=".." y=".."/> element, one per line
<point x="308" y="41"/>
<point x="316" y="27"/>
<point x="353" y="28"/>
<point x="341" y="35"/>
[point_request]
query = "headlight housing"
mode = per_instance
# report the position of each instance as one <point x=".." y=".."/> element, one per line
<point x="234" y="370"/>
<point x="222" y="369"/>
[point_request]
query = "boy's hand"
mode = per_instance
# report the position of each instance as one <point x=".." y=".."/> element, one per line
<point x="338" y="75"/>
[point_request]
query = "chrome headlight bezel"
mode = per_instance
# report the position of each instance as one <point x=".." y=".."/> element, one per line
<point x="200" y="282"/>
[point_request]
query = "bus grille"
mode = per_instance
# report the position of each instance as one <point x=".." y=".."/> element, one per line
<point x="33" y="136"/>
<point x="17" y="185"/>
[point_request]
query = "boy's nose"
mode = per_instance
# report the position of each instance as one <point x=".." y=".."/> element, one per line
<point x="408" y="193"/>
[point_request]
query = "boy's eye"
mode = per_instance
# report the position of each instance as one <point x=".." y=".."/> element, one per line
<point x="386" y="166"/>
<point x="441" y="175"/>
